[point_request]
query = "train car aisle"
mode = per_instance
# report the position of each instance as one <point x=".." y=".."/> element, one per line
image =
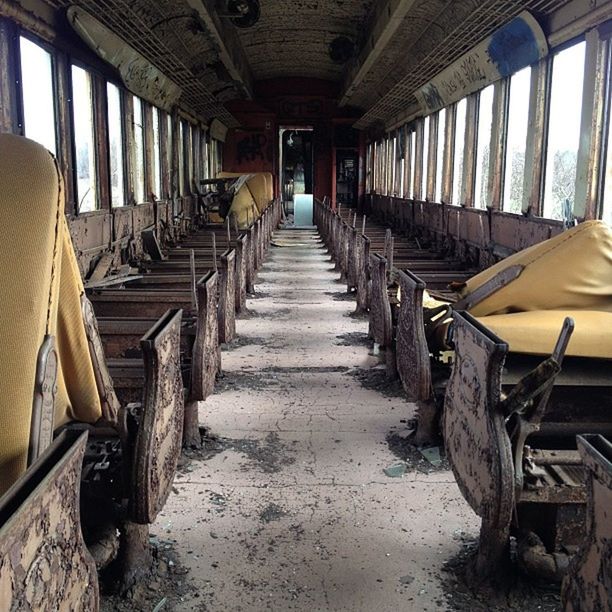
<point x="293" y="509"/>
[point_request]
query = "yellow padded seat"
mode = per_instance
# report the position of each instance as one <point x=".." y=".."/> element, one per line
<point x="41" y="291"/>
<point x="259" y="184"/>
<point x="570" y="271"/>
<point x="244" y="207"/>
<point x="536" y="332"/>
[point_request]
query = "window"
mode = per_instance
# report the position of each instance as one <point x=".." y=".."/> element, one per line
<point x="412" y="163"/>
<point x="139" y="152"/>
<point x="169" y="155"/>
<point x="440" y="154"/>
<point x="204" y="160"/>
<point x="181" y="159"/>
<point x="483" y="148"/>
<point x="189" y="151"/>
<point x="115" y="141"/>
<point x="37" y="94"/>
<point x="157" y="186"/>
<point x="563" y="131"/>
<point x="425" y="158"/>
<point x="195" y="148"/>
<point x="82" y="112"/>
<point x="460" y="123"/>
<point x="391" y="165"/>
<point x="516" y="141"/>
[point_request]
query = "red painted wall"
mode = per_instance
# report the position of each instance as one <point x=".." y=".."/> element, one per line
<point x="254" y="147"/>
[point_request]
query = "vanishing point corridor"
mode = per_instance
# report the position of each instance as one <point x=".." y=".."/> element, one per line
<point x="290" y="507"/>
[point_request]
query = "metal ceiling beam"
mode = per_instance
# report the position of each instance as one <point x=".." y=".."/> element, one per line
<point x="227" y="42"/>
<point x="384" y="23"/>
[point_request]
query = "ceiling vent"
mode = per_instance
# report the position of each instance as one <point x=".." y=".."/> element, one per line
<point x="341" y="49"/>
<point x="243" y="13"/>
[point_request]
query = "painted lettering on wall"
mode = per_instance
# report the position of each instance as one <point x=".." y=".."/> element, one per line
<point x="519" y="43"/>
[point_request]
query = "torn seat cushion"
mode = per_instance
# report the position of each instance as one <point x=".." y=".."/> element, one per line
<point x="244" y="207"/>
<point x="41" y="290"/>
<point x="570" y="271"/>
<point x="259" y="184"/>
<point x="536" y="332"/>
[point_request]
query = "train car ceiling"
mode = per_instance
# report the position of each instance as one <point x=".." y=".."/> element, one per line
<point x="383" y="57"/>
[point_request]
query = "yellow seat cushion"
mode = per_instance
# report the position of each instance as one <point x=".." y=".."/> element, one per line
<point x="570" y="271"/>
<point x="259" y="184"/>
<point x="536" y="332"/>
<point x="244" y="207"/>
<point x="41" y="290"/>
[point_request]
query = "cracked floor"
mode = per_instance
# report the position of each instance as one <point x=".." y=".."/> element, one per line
<point x="293" y="510"/>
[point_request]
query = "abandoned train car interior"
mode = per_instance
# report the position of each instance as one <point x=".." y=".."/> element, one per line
<point x="306" y="305"/>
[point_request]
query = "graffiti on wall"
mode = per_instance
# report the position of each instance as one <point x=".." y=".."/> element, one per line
<point x="253" y="147"/>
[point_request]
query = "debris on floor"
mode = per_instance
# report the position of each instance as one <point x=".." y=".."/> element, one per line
<point x="396" y="470"/>
<point x="288" y="507"/>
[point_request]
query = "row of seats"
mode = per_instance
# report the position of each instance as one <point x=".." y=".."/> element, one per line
<point x="100" y="385"/>
<point x="511" y="364"/>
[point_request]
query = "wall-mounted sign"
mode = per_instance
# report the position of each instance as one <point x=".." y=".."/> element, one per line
<point x="218" y="130"/>
<point x="300" y="108"/>
<point x="516" y="45"/>
<point x="138" y="74"/>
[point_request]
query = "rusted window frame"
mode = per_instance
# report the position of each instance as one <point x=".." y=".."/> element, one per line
<point x="497" y="145"/>
<point x="149" y="160"/>
<point x="591" y="160"/>
<point x="606" y="143"/>
<point x="448" y="154"/>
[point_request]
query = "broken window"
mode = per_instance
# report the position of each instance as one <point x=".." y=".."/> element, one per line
<point x="83" y="117"/>
<point x="564" y="117"/>
<point x="37" y="94"/>
<point x="115" y="142"/>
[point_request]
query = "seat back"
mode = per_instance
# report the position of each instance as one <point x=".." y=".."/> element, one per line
<point x="475" y="438"/>
<point x="40" y="297"/>
<point x="50" y="568"/>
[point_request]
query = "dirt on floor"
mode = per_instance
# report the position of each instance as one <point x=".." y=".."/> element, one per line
<point x="520" y="593"/>
<point x="375" y="379"/>
<point x="354" y="339"/>
<point x="269" y="455"/>
<point x="341" y="296"/>
<point x="425" y="460"/>
<point x="162" y="588"/>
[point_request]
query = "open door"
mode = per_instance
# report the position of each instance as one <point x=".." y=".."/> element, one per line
<point x="297" y="174"/>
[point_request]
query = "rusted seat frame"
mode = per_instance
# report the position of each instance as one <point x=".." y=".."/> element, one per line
<point x="483" y="447"/>
<point x="413" y="360"/>
<point x="44" y="562"/>
<point x="149" y="457"/>
<point x="588" y="582"/>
